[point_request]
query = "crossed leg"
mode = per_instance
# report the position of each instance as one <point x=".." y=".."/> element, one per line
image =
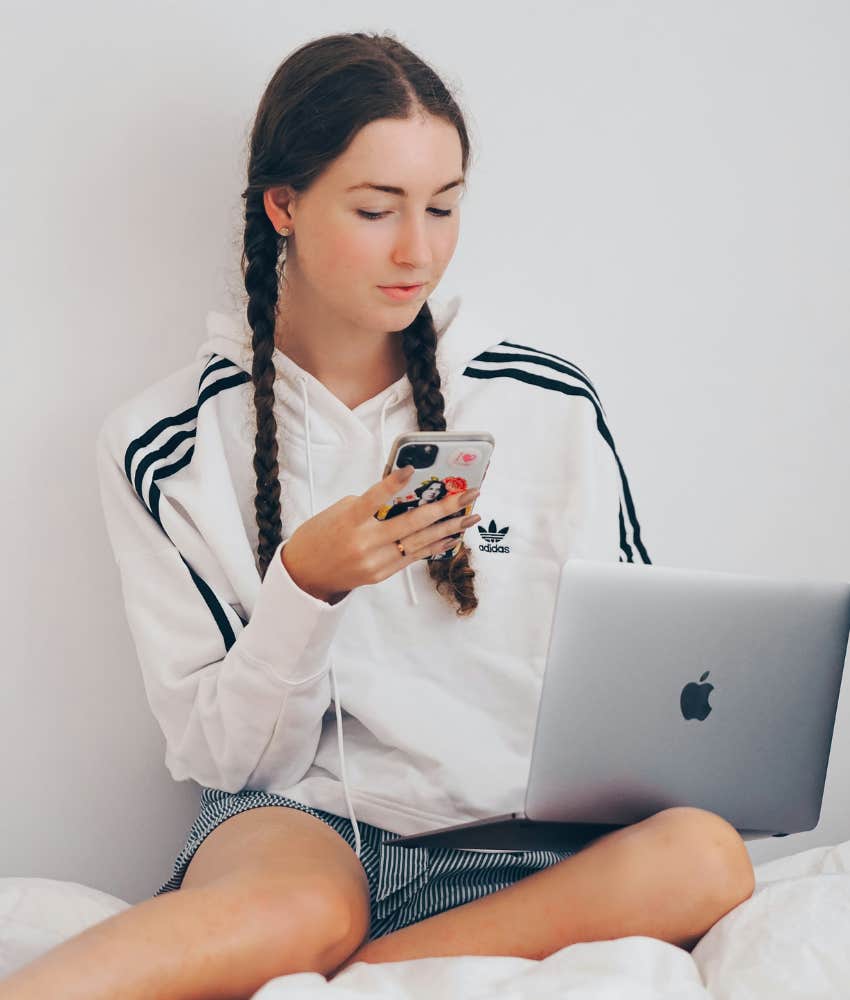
<point x="671" y="876"/>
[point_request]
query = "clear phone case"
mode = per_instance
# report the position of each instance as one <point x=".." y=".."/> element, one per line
<point x="444" y="462"/>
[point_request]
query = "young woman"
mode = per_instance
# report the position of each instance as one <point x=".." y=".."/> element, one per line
<point x="239" y="495"/>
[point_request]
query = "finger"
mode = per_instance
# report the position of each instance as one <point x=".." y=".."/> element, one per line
<point x="385" y="489"/>
<point x="414" y="520"/>
<point x="440" y="532"/>
<point x="444" y="545"/>
<point x="414" y="552"/>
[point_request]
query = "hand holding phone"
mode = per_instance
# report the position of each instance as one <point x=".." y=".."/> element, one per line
<point x="346" y="545"/>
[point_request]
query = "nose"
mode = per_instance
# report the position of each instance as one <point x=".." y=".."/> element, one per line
<point x="412" y="245"/>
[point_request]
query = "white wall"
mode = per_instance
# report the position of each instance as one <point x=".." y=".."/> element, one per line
<point x="660" y="194"/>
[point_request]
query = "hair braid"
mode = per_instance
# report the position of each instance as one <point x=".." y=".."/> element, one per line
<point x="260" y="270"/>
<point x="453" y="576"/>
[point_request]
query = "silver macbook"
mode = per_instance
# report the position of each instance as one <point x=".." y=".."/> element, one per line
<point x="667" y="687"/>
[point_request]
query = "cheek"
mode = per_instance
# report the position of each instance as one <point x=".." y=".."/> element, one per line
<point x="448" y="241"/>
<point x="354" y="252"/>
<point x="338" y="247"/>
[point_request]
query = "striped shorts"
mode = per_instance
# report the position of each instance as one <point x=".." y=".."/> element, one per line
<point x="406" y="884"/>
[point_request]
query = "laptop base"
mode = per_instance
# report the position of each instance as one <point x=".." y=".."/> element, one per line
<point x="514" y="833"/>
<point x="510" y="835"/>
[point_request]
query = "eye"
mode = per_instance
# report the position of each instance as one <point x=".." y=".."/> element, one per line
<point x="440" y="212"/>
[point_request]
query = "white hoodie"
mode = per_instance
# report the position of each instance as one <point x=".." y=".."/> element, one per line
<point x="437" y="711"/>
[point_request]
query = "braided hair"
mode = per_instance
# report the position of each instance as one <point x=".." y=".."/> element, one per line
<point x="354" y="79"/>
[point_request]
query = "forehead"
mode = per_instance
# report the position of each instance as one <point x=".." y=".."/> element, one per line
<point x="417" y="155"/>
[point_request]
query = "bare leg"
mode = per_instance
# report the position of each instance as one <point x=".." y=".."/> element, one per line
<point x="671" y="876"/>
<point x="197" y="943"/>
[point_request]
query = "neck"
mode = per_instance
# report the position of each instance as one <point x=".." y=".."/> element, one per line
<point x="353" y="363"/>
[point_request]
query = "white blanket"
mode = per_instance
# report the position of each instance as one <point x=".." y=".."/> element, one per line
<point x="790" y="939"/>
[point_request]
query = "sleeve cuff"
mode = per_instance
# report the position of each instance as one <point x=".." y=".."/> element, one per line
<point x="290" y="631"/>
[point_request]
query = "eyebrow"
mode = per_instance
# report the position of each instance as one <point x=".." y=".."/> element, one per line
<point x="400" y="191"/>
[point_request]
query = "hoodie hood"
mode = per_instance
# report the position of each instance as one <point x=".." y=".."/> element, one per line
<point x="459" y="338"/>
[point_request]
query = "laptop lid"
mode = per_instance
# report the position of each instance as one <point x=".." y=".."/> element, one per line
<point x="667" y="686"/>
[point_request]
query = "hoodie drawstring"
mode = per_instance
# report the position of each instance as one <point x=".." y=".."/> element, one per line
<point x="410" y="586"/>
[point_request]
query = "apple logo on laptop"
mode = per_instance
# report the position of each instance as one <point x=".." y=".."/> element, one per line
<point x="694" y="699"/>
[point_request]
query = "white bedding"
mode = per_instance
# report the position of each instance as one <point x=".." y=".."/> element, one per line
<point x="790" y="939"/>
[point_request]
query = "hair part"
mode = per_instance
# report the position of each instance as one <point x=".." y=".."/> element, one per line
<point x="355" y="79"/>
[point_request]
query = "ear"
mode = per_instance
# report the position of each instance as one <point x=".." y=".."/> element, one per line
<point x="279" y="203"/>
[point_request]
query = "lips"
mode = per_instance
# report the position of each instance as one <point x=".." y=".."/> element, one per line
<point x="398" y="294"/>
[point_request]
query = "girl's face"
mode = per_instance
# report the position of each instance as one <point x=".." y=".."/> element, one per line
<point x="338" y="255"/>
<point x="430" y="492"/>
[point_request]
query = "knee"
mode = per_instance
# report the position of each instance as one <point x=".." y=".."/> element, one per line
<point x="344" y="918"/>
<point x="315" y="919"/>
<point x="340" y="911"/>
<point x="712" y="847"/>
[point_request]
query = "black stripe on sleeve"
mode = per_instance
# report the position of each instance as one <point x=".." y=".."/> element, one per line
<point x="185" y="426"/>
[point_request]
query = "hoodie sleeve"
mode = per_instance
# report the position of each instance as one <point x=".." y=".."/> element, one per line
<point x="227" y="694"/>
<point x="612" y="531"/>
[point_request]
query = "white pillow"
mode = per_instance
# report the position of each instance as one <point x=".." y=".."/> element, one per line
<point x="36" y="914"/>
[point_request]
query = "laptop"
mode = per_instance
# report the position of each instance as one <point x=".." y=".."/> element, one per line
<point x="667" y="687"/>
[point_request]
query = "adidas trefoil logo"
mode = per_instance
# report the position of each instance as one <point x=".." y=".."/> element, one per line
<point x="493" y="536"/>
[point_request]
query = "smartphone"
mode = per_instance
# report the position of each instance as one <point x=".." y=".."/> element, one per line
<point x="443" y="462"/>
